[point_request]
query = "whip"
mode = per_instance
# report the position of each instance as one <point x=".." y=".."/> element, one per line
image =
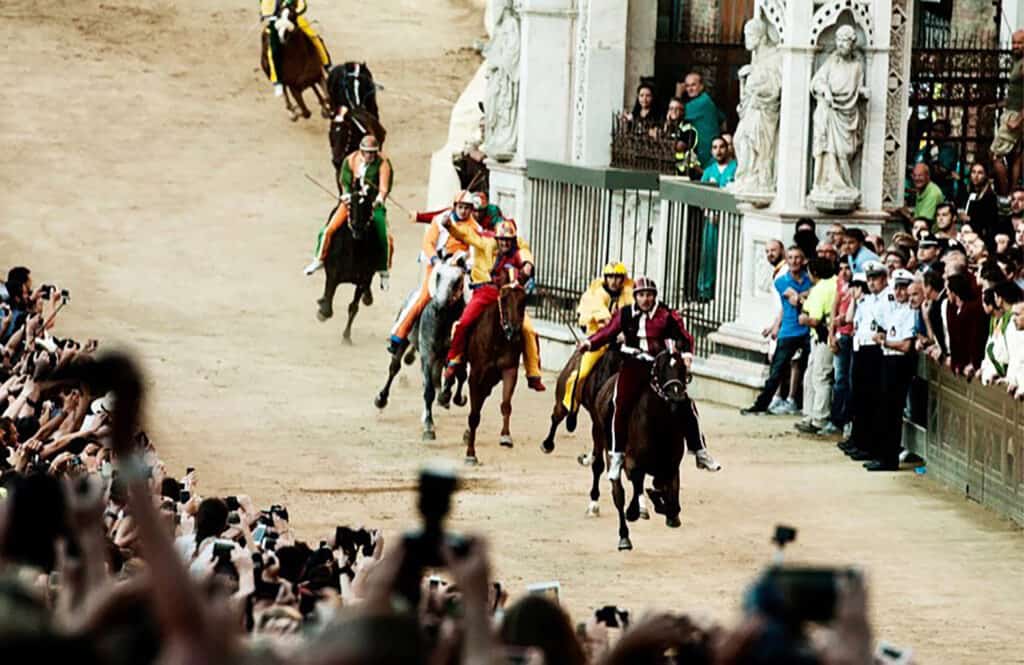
<point x="338" y="198"/>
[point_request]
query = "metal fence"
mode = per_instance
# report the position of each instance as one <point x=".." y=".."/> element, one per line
<point x="580" y="219"/>
<point x="703" y="263"/>
<point x="640" y="146"/>
<point x="686" y="236"/>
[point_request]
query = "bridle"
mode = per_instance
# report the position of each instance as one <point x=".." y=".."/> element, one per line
<point x="661" y="388"/>
<point x="513" y="284"/>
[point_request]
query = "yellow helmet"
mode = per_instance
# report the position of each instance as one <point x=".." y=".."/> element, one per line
<point x="616" y="269"/>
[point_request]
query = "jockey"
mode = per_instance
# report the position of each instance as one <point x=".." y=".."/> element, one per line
<point x="438" y="246"/>
<point x="650" y="326"/>
<point x="486" y="214"/>
<point x="368" y="168"/>
<point x="273" y="11"/>
<point x="492" y="257"/>
<point x="602" y="298"/>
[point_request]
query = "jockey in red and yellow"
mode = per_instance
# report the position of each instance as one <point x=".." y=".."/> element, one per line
<point x="438" y="246"/>
<point x="492" y="259"/>
<point x="651" y="327"/>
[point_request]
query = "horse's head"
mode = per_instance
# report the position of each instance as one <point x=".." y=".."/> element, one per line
<point x="360" y="213"/>
<point x="669" y="377"/>
<point x="284" y="21"/>
<point x="446" y="280"/>
<point x="512" y="309"/>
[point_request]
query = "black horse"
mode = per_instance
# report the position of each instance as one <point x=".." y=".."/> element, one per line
<point x="353" y="99"/>
<point x="353" y="259"/>
<point x="662" y="419"/>
<point x="605" y="367"/>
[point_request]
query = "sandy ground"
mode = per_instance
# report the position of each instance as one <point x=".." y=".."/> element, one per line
<point x="148" y="167"/>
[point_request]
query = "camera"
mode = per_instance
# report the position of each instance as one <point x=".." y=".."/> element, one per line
<point x="352" y="541"/>
<point x="424" y="547"/>
<point x="234" y="517"/>
<point x="65" y="296"/>
<point x="232" y="502"/>
<point x="612" y="616"/>
<point x="796" y="594"/>
<point x="184" y="496"/>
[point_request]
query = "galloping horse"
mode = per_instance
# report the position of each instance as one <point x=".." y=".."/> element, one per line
<point x="431" y="336"/>
<point x="353" y="100"/>
<point x="493" y="355"/>
<point x="299" y="68"/>
<point x="606" y="367"/>
<point x="656" y="441"/>
<point x="353" y="259"/>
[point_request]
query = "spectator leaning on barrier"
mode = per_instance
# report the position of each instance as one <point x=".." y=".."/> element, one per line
<point x="703" y="114"/>
<point x="995" y="364"/>
<point x="966" y="325"/>
<point x="897" y="320"/>
<point x="816" y="315"/>
<point x="841" y="341"/>
<point x="870" y="296"/>
<point x="792" y="336"/>
<point x="1015" y="348"/>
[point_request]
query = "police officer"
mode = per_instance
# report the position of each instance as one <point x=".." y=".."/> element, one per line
<point x="897" y="318"/>
<point x="870" y="293"/>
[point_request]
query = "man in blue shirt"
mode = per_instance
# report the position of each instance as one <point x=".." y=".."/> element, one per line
<point x="857" y="252"/>
<point x="792" y="337"/>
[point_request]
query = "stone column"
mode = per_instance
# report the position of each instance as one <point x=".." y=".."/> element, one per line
<point x="545" y="92"/>
<point x="599" y="76"/>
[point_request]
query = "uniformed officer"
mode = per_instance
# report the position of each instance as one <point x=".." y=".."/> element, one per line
<point x="897" y="318"/>
<point x="870" y="291"/>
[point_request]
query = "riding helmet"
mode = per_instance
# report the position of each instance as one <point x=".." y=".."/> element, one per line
<point x="645" y="284"/>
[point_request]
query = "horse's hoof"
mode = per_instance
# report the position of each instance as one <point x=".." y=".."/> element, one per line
<point x="593" y="510"/>
<point x="368" y="298"/>
<point x="644" y="514"/>
<point x="428" y="435"/>
<point x="346" y="340"/>
<point x="465" y="438"/>
<point x="585" y="459"/>
<point x="547" y="446"/>
<point x="460" y="400"/>
<point x="307" y="114"/>
<point x="505" y="441"/>
<point x="295" y="117"/>
<point x="380" y="401"/>
<point x="471" y="460"/>
<point x="625" y="544"/>
<point x="632" y="514"/>
<point x="673" y="522"/>
<point x="410" y="358"/>
<point x="570" y="423"/>
<point x="445" y="398"/>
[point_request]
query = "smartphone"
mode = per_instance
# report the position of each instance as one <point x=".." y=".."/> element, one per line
<point x="259" y="533"/>
<point x="189" y="470"/>
<point x="234" y="518"/>
<point x="435" y="581"/>
<point x="549" y="590"/>
<point x="222" y="550"/>
<point x="184" y="496"/>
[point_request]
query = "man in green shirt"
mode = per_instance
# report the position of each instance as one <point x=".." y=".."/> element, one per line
<point x="929" y="195"/>
<point x="703" y="114"/>
<point x="815" y="315"/>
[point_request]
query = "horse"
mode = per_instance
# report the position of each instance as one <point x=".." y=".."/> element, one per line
<point x="606" y="367"/>
<point x="353" y="98"/>
<point x="348" y="127"/>
<point x="493" y="355"/>
<point x="353" y="259"/>
<point x="656" y="441"/>
<point x="431" y="336"/>
<point x="299" y="67"/>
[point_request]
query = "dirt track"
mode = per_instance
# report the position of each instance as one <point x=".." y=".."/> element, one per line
<point x="149" y="169"/>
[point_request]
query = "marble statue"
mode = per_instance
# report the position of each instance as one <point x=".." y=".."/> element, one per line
<point x="501" y="104"/>
<point x="757" y="132"/>
<point x="841" y="95"/>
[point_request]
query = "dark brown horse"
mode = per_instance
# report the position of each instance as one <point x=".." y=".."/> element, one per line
<point x="656" y="442"/>
<point x="493" y="355"/>
<point x="299" y="67"/>
<point x="353" y="259"/>
<point x="607" y="366"/>
<point x="353" y="98"/>
<point x="348" y="127"/>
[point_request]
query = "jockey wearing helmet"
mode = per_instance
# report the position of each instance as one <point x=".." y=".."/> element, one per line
<point x="492" y="258"/>
<point x="599" y="302"/>
<point x="365" y="168"/>
<point x="438" y="246"/>
<point x="650" y="326"/>
<point x="283" y="11"/>
<point x="487" y="215"/>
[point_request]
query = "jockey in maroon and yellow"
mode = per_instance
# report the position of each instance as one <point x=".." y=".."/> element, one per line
<point x="493" y="257"/>
<point x="651" y="327"/>
<point x="287" y="12"/>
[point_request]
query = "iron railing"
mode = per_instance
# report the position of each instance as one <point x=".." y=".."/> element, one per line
<point x="580" y="219"/>
<point x="686" y="236"/>
<point x="641" y="146"/>
<point x="703" y="266"/>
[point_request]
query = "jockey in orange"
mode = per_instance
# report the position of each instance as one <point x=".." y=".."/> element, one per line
<point x="491" y="260"/>
<point x="438" y="246"/>
<point x="486" y="214"/>
<point x="649" y="326"/>
<point x="365" y="167"/>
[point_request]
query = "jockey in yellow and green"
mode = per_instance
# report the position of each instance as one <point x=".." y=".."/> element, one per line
<point x="366" y="167"/>
<point x="292" y="11"/>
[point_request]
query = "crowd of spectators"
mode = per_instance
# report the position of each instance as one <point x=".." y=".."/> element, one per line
<point x="108" y="557"/>
<point x="855" y="313"/>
